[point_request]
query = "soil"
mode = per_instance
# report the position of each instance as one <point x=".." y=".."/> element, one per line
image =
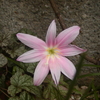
<point x="36" y="15"/>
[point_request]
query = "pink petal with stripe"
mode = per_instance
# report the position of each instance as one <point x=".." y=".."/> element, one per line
<point x="55" y="70"/>
<point x="41" y="72"/>
<point x="67" y="67"/>
<point x="51" y="34"/>
<point x="67" y="36"/>
<point x="31" y="41"/>
<point x="31" y="56"/>
<point x="71" y="50"/>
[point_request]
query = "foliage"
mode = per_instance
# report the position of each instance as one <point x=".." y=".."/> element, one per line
<point x="17" y="78"/>
<point x="20" y="82"/>
<point x="13" y="46"/>
<point x="3" y="60"/>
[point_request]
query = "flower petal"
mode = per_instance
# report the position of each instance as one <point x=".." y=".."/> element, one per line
<point x="51" y="34"/>
<point x="67" y="67"/>
<point x="41" y="72"/>
<point x="55" y="70"/>
<point x="71" y="50"/>
<point x="67" y="36"/>
<point x="31" y="41"/>
<point x="31" y="56"/>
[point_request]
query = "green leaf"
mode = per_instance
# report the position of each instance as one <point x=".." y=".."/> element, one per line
<point x="15" y="79"/>
<point x="63" y="86"/>
<point x="57" y="93"/>
<point x="32" y="89"/>
<point x="17" y="69"/>
<point x="16" y="51"/>
<point x="52" y="93"/>
<point x="14" y="98"/>
<point x="26" y="96"/>
<point x="19" y="64"/>
<point x="91" y="74"/>
<point x="48" y="92"/>
<point x="16" y="48"/>
<point x="23" y="82"/>
<point x="4" y="36"/>
<point x="12" y="90"/>
<point x="31" y="67"/>
<point x="23" y="96"/>
<point x="10" y="43"/>
<point x="3" y="60"/>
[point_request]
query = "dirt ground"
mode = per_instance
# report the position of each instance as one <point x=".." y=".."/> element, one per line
<point x="36" y="15"/>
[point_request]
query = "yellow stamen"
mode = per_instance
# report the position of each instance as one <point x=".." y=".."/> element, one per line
<point x="51" y="53"/>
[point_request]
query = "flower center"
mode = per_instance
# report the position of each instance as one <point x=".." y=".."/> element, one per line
<point x="52" y="51"/>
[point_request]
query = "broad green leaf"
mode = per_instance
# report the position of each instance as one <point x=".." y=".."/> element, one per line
<point x="17" y="69"/>
<point x="11" y="45"/>
<point x="16" y="51"/>
<point x="16" y="48"/>
<point x="14" y="98"/>
<point x="63" y="90"/>
<point x="26" y="96"/>
<point x="31" y="67"/>
<point x="48" y="92"/>
<point x="57" y="93"/>
<point x="23" y="96"/>
<point x="4" y="37"/>
<point x="49" y="79"/>
<point x="32" y="89"/>
<point x="15" y="79"/>
<point x="63" y="86"/>
<point x="63" y="83"/>
<point x="13" y="62"/>
<point x="52" y="93"/>
<point x="3" y="60"/>
<point x="12" y="90"/>
<point x="24" y="82"/>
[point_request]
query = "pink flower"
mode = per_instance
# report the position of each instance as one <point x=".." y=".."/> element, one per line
<point x="52" y="53"/>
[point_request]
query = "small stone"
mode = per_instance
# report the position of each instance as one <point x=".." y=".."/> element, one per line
<point x="84" y="16"/>
<point x="46" y="6"/>
<point x="84" y="87"/>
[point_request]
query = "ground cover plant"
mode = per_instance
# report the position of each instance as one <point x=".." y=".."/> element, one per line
<point x="31" y="69"/>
